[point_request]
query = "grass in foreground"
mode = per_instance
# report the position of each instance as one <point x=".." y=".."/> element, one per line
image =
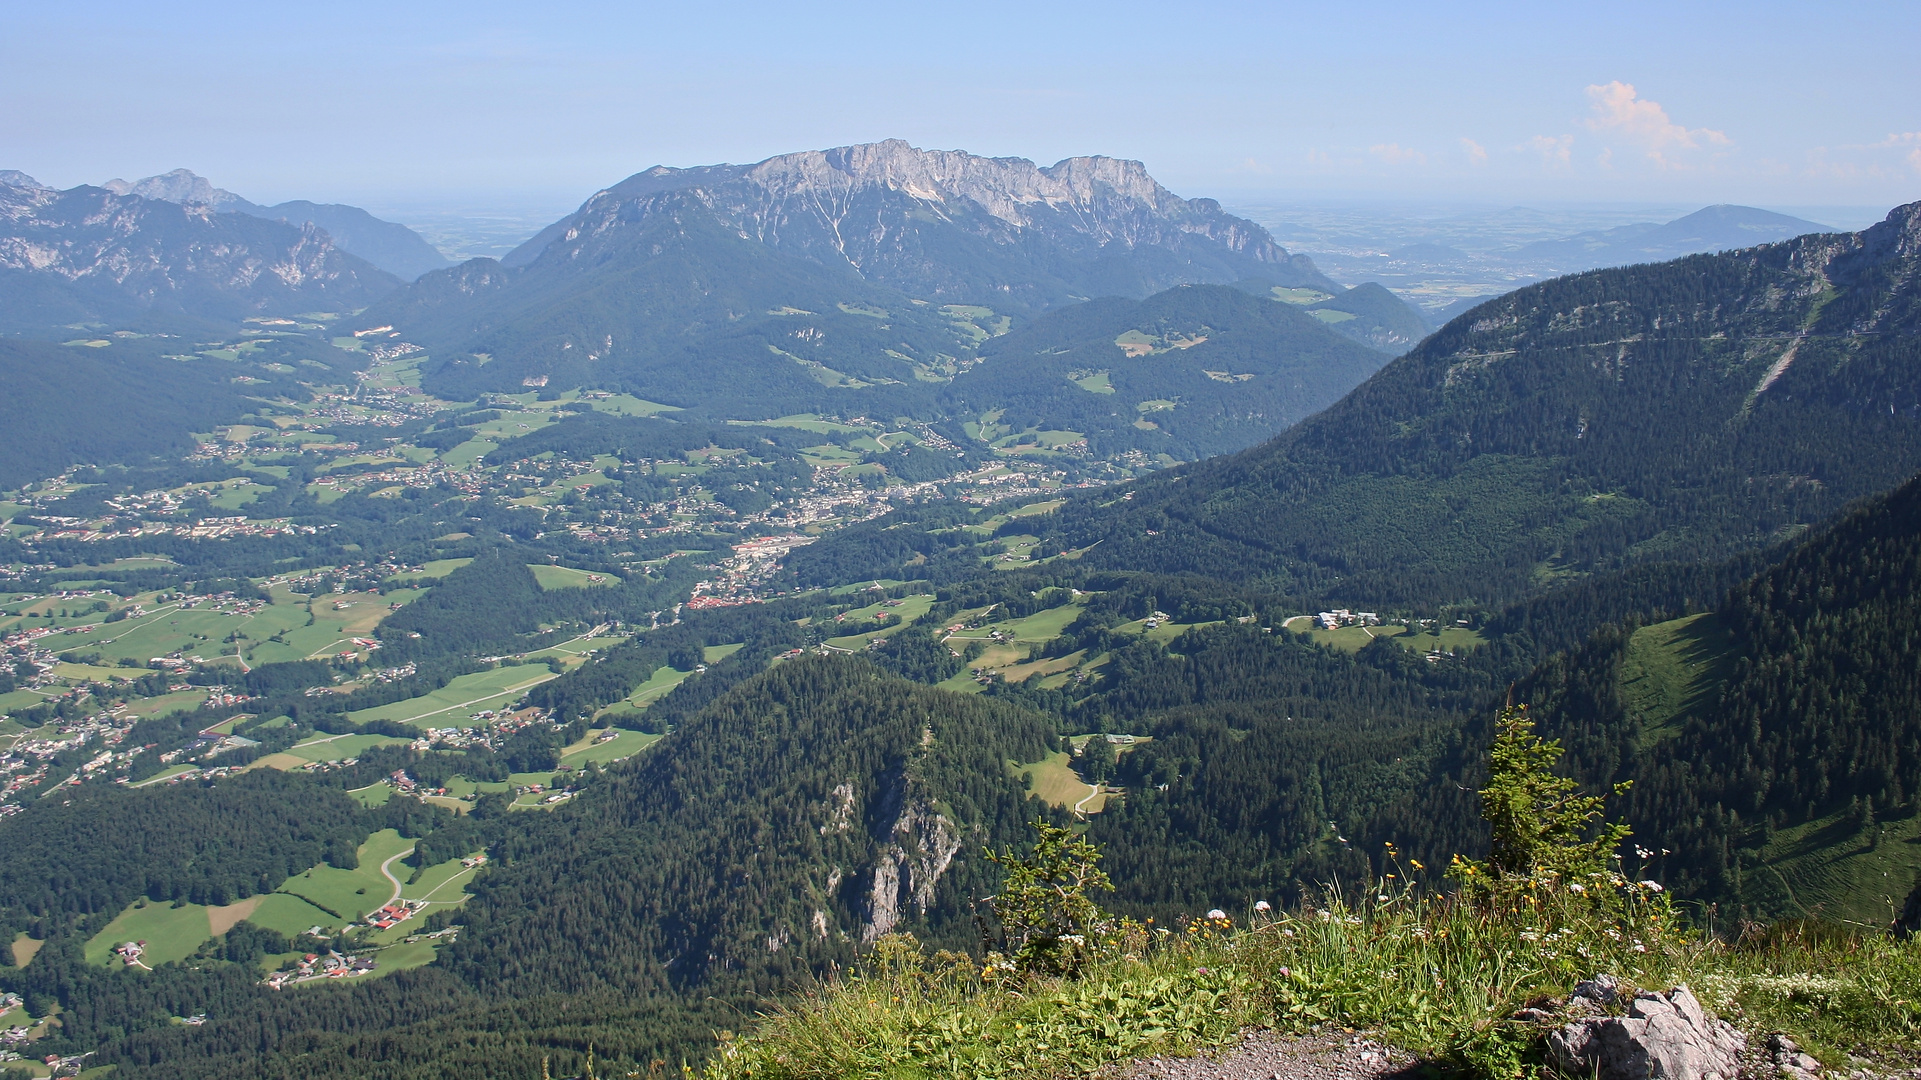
<point x="1071" y="989"/>
<point x="1439" y="976"/>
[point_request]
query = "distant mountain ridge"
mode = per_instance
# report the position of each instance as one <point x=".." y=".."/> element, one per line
<point x="867" y="278"/>
<point x="1722" y="227"/>
<point x="87" y="255"/>
<point x="393" y="247"/>
<point x="952" y="226"/>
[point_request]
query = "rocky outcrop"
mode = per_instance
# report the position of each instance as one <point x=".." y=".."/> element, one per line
<point x="1663" y="1037"/>
<point x="1790" y="1063"/>
<point x="917" y="850"/>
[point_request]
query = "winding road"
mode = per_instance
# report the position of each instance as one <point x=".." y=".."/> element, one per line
<point x="389" y="874"/>
<point x="1094" y="790"/>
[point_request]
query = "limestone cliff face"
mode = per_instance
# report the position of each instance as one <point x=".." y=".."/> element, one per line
<point x="947" y="224"/>
<point x="920" y="845"/>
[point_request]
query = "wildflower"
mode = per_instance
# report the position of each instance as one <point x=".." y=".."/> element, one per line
<point x="1416" y="864"/>
<point x="1576" y="887"/>
<point x="1382" y="898"/>
<point x="1262" y="905"/>
<point x="1651" y="886"/>
<point x="1216" y="913"/>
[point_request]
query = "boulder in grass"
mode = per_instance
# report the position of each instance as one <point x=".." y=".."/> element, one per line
<point x="1663" y="1037"/>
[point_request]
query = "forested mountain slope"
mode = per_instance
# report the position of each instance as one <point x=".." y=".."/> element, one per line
<point x="88" y="255"/>
<point x="70" y="404"/>
<point x="1676" y="411"/>
<point x="1774" y="743"/>
<point x="1190" y="372"/>
<point x="786" y="823"/>
<point x="686" y="313"/>
<point x="751" y="287"/>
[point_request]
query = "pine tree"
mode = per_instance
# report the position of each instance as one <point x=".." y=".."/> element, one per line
<point x="1542" y="824"/>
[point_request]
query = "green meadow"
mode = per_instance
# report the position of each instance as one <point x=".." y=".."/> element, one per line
<point x="451" y="705"/>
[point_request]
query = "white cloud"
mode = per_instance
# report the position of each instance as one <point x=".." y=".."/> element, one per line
<point x="1396" y="154"/>
<point x="1909" y="140"/>
<point x="1475" y="151"/>
<point x="1620" y="111"/>
<point x="1556" y="150"/>
<point x="1881" y="161"/>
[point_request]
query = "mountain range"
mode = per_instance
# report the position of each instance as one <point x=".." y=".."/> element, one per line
<point x="1670" y="505"/>
<point x="391" y="246"/>
<point x="87" y="255"/>
<point x="866" y="279"/>
<point x="691" y="260"/>
<point x="1680" y="410"/>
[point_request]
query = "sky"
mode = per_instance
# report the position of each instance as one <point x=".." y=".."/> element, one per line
<point x="519" y="107"/>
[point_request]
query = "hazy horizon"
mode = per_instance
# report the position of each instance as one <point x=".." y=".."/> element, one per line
<point x="507" y="109"/>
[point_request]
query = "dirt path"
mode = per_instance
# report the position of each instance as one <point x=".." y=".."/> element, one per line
<point x="1263" y="1055"/>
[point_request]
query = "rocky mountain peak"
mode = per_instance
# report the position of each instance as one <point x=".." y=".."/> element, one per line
<point x="16" y="179"/>
<point x="181" y="186"/>
<point x="1004" y="187"/>
<point x="1097" y="225"/>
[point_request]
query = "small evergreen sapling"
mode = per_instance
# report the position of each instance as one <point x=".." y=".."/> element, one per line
<point x="1543" y="827"/>
<point x="1048" y="925"/>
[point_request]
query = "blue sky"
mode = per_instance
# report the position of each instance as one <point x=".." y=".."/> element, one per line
<point x="482" y="104"/>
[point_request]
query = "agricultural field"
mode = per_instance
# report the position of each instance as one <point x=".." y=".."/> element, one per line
<point x="1052" y="780"/>
<point x="350" y="894"/>
<point x="171" y="933"/>
<point x="624" y="744"/>
<point x="435" y="570"/>
<point x="1446" y="639"/>
<point x="909" y="609"/>
<point x="291" y="627"/>
<point x="1007" y="644"/>
<point x="575" y="649"/>
<point x="656" y="686"/>
<point x="566" y="577"/>
<point x="326" y="748"/>
<point x="451" y="705"/>
<point x="1833" y="869"/>
<point x="175" y="931"/>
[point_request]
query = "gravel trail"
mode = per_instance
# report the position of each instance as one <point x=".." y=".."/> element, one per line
<point x="1264" y="1055"/>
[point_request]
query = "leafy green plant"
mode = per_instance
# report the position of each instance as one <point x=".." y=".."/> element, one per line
<point x="1047" y="924"/>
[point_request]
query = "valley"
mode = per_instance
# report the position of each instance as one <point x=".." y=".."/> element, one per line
<point x="587" y="647"/>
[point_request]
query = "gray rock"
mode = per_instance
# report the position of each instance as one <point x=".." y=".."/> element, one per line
<point x="1663" y="1037"/>
<point x="1789" y="1062"/>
